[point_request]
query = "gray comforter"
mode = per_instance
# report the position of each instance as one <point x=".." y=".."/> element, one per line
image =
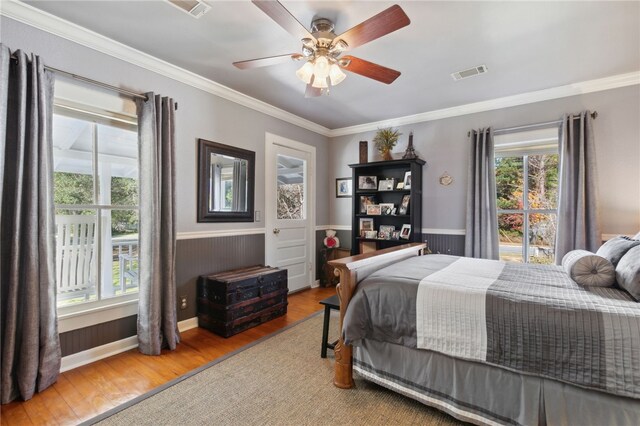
<point x="536" y="319"/>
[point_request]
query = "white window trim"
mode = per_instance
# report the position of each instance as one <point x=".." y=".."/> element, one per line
<point x="91" y="313"/>
<point x="108" y="108"/>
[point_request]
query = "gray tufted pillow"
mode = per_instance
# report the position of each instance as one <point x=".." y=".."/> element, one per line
<point x="628" y="272"/>
<point x="615" y="248"/>
<point x="588" y="269"/>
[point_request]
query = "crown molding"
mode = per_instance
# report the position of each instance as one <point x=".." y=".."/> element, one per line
<point x="44" y="21"/>
<point x="580" y="88"/>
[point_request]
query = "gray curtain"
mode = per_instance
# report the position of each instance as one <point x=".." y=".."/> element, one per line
<point x="29" y="329"/>
<point x="482" y="220"/>
<point x="157" y="317"/>
<point x="578" y="215"/>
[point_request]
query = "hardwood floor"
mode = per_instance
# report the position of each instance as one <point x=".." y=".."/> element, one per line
<point x="87" y="391"/>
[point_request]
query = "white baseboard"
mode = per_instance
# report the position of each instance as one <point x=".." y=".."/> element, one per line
<point x="79" y="359"/>
<point x="187" y="324"/>
<point x="315" y="284"/>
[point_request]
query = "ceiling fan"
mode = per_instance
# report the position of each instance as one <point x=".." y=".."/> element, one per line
<point x="322" y="48"/>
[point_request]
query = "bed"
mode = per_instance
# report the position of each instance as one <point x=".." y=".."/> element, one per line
<point x="489" y="342"/>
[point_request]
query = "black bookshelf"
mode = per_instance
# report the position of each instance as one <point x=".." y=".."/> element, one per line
<point x="394" y="169"/>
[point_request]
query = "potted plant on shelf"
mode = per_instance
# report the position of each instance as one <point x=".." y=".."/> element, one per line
<point x="385" y="140"/>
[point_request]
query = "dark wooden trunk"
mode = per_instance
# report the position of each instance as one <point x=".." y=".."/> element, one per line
<point x="233" y="301"/>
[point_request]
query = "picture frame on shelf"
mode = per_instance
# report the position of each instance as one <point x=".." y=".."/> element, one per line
<point x="385" y="231"/>
<point x="405" y="232"/>
<point x="395" y="235"/>
<point x="386" y="184"/>
<point x="400" y="185"/>
<point x="367" y="200"/>
<point x="404" y="205"/>
<point x="374" y="210"/>
<point x="386" y="209"/>
<point x="371" y="235"/>
<point x="344" y="188"/>
<point x="368" y="182"/>
<point x="407" y="180"/>
<point x="366" y="224"/>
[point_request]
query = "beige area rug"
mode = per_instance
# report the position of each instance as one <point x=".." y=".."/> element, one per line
<point x="279" y="381"/>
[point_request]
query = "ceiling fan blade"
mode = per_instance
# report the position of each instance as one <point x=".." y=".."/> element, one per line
<point x="265" y="62"/>
<point x="312" y="92"/>
<point x="371" y="70"/>
<point x="276" y="11"/>
<point x="383" y="23"/>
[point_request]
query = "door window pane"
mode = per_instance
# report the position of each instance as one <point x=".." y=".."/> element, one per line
<point x="291" y="185"/>
<point x="510" y="229"/>
<point x="543" y="181"/>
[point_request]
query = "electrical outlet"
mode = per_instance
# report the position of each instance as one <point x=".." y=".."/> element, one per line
<point x="257" y="216"/>
<point x="183" y="302"/>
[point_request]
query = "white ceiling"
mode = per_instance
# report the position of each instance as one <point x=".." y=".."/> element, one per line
<point x="526" y="46"/>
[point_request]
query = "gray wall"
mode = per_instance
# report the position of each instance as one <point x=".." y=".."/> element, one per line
<point x="443" y="144"/>
<point x="194" y="257"/>
<point x="200" y="115"/>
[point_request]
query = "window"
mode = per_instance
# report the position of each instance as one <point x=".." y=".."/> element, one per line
<point x="96" y="206"/>
<point x="527" y="193"/>
<point x="291" y="185"/>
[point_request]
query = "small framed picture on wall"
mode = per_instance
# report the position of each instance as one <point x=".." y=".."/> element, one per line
<point x="344" y="188"/>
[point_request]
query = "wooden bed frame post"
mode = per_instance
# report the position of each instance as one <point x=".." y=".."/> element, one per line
<point x="344" y="362"/>
<point x="348" y="268"/>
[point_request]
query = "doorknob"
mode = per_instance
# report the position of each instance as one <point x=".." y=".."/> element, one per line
<point x="276" y="231"/>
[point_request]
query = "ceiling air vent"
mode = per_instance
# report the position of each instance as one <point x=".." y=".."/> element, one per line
<point x="194" y="8"/>
<point x="480" y="69"/>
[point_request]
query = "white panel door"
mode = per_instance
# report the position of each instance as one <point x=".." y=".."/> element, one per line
<point x="289" y="209"/>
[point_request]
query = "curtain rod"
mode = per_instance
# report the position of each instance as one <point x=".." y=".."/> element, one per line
<point x="96" y="82"/>
<point x="594" y="115"/>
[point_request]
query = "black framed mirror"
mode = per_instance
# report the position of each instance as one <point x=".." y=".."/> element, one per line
<point x="226" y="176"/>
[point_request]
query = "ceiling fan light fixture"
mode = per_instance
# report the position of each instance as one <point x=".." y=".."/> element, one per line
<point x="336" y="75"/>
<point x="338" y="47"/>
<point x="320" y="83"/>
<point x="308" y="43"/>
<point x="321" y="68"/>
<point x="305" y="72"/>
<point x="344" y="62"/>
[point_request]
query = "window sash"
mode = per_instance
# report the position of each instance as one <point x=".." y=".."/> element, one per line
<point x="95" y="119"/>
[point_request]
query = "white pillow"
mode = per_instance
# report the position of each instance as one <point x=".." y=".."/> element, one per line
<point x="637" y="236"/>
<point x="588" y="269"/>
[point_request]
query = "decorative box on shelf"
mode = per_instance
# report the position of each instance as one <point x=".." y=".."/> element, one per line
<point x="233" y="301"/>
